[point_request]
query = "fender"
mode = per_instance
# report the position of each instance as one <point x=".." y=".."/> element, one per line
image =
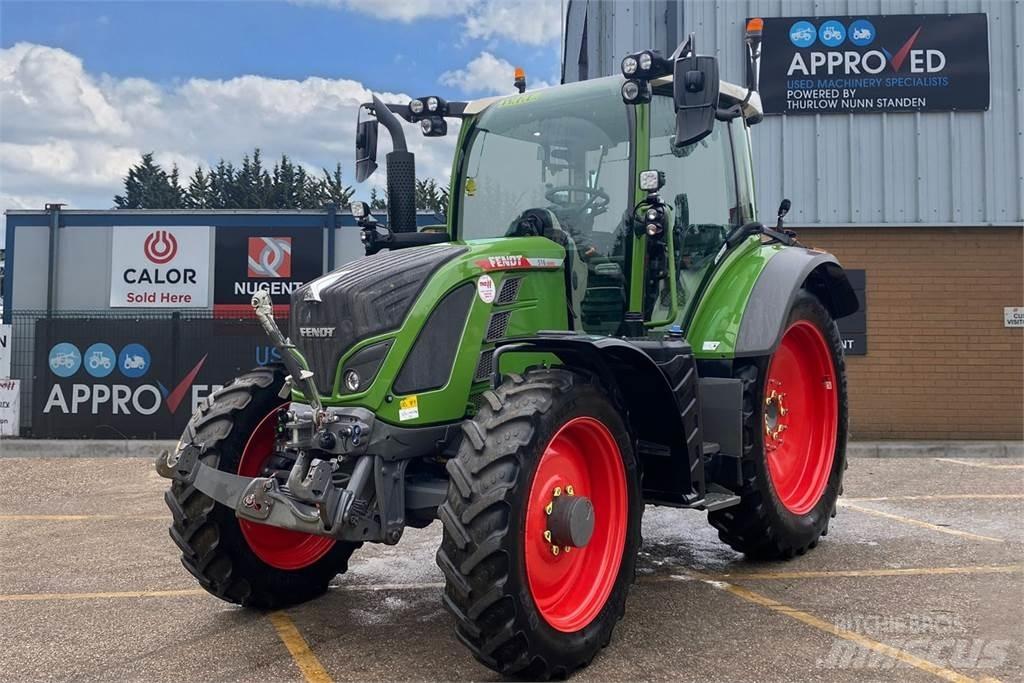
<point x="790" y="270"/>
<point x="743" y="309"/>
<point x="655" y="382"/>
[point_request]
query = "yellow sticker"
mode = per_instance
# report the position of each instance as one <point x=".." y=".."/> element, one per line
<point x="470" y="187"/>
<point x="409" y="408"/>
<point x="518" y="99"/>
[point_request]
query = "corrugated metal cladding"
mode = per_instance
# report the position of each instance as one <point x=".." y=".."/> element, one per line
<point x="949" y="168"/>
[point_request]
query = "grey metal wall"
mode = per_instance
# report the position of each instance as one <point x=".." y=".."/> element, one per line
<point x="937" y="169"/>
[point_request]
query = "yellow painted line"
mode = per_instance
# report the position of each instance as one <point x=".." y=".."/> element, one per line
<point x="855" y="573"/>
<point x="822" y="625"/>
<point x="920" y="523"/>
<point x="942" y="496"/>
<point x="40" y="597"/>
<point x="75" y="518"/>
<point x="985" y="465"/>
<point x="311" y="668"/>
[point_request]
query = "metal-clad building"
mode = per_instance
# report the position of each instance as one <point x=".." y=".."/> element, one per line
<point x="924" y="209"/>
<point x="953" y="168"/>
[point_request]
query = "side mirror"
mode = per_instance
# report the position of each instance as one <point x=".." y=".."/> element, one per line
<point x="695" y="91"/>
<point x="366" y="148"/>
<point x="783" y="210"/>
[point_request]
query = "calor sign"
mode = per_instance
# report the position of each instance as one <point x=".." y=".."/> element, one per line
<point x="160" y="267"/>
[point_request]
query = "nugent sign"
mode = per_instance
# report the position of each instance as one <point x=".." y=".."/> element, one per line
<point x="852" y="64"/>
<point x="160" y="267"/>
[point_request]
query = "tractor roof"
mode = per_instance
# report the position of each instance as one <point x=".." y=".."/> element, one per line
<point x="730" y="92"/>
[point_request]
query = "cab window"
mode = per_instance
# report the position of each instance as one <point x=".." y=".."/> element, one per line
<point x="700" y="186"/>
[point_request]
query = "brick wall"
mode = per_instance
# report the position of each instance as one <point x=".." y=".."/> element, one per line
<point x="940" y="363"/>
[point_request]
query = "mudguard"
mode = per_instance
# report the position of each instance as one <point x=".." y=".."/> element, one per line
<point x="791" y="269"/>
<point x="744" y="308"/>
<point x="655" y="382"/>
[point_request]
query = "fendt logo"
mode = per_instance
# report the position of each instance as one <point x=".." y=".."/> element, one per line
<point x="854" y="62"/>
<point x="160" y="247"/>
<point x="316" y="332"/>
<point x="270" y="257"/>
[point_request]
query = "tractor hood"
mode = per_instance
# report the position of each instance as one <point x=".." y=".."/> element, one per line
<point x="362" y="299"/>
<point x="379" y="306"/>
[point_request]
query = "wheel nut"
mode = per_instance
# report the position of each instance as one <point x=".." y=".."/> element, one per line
<point x="548" y="508"/>
<point x="569" y="491"/>
<point x="554" y="550"/>
<point x="567" y="548"/>
<point x="558" y="491"/>
<point x="547" y="535"/>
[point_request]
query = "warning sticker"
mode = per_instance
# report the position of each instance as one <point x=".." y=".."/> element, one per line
<point x="408" y="408"/>
<point x="485" y="288"/>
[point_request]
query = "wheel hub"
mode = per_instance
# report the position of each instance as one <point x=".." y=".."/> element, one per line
<point x="775" y="414"/>
<point x="570" y="521"/>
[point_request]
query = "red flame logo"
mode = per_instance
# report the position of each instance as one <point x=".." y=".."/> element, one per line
<point x="160" y="247"/>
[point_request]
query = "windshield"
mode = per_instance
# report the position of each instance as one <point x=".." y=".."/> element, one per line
<point x="564" y="151"/>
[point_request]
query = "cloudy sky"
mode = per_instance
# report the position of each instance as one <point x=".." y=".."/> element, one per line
<point x="86" y="87"/>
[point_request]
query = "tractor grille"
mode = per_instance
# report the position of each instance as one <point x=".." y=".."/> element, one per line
<point x="509" y="292"/>
<point x="483" y="368"/>
<point x="498" y="326"/>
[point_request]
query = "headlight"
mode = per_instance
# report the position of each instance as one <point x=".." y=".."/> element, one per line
<point x="431" y="104"/>
<point x="416" y="107"/>
<point x="352" y="380"/>
<point x="426" y="126"/>
<point x="652" y="215"/>
<point x="629" y="66"/>
<point x="359" y="209"/>
<point x="653" y="229"/>
<point x="646" y="58"/>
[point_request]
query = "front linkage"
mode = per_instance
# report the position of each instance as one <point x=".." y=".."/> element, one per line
<point x="356" y="492"/>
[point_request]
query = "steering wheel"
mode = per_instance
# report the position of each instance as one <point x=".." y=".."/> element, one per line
<point x="596" y="198"/>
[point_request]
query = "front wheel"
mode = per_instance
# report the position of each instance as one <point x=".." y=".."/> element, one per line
<point x="541" y="525"/>
<point x="238" y="560"/>
<point x="794" y="439"/>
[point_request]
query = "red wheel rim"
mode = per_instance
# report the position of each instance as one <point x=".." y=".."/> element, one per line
<point x="801" y="417"/>
<point x="570" y="588"/>
<point x="280" y="548"/>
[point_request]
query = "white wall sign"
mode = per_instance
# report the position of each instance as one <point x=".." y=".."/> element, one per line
<point x="10" y="407"/>
<point x="1013" y="316"/>
<point x="160" y="267"/>
<point x="5" y="351"/>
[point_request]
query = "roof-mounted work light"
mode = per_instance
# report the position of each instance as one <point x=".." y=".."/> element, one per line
<point x="635" y="91"/>
<point x="427" y="106"/>
<point x="646" y="65"/>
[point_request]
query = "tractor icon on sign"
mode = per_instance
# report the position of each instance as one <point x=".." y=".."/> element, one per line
<point x="830" y="34"/>
<point x="99" y="360"/>
<point x="802" y="34"/>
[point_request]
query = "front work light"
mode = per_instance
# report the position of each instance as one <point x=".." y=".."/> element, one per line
<point x="416" y="107"/>
<point x="434" y="126"/>
<point x="432" y="105"/>
<point x="646" y="65"/>
<point x="652" y="181"/>
<point x="359" y="210"/>
<point x="636" y="92"/>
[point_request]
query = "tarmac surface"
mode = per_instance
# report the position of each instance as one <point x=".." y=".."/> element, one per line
<point x="920" y="578"/>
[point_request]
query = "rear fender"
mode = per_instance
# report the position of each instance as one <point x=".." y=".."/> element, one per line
<point x="658" y="398"/>
<point x="792" y="269"/>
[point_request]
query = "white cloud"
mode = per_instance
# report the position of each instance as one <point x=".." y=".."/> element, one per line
<point x="69" y="135"/>
<point x="487" y="74"/>
<point x="534" y="22"/>
<point x="402" y="10"/>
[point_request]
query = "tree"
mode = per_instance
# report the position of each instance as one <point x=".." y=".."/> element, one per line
<point x="147" y="186"/>
<point x="334" y="190"/>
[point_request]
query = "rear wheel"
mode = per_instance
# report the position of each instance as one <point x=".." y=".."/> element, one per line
<point x="238" y="560"/>
<point x="541" y="525"/>
<point x="794" y="439"/>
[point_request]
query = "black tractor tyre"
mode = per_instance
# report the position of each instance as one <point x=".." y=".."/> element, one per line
<point x="762" y="527"/>
<point x="213" y="547"/>
<point x="484" y="543"/>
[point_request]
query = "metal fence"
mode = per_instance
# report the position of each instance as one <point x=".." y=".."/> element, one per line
<point x="227" y="345"/>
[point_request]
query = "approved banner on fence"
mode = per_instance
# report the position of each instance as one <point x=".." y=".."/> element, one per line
<point x="160" y="267"/>
<point x="864" y="64"/>
<point x="10" y="406"/>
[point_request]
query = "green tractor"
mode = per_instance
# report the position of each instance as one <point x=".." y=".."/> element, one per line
<point x="600" y="325"/>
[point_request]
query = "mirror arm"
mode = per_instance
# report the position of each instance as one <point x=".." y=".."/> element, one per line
<point x="390" y="121"/>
